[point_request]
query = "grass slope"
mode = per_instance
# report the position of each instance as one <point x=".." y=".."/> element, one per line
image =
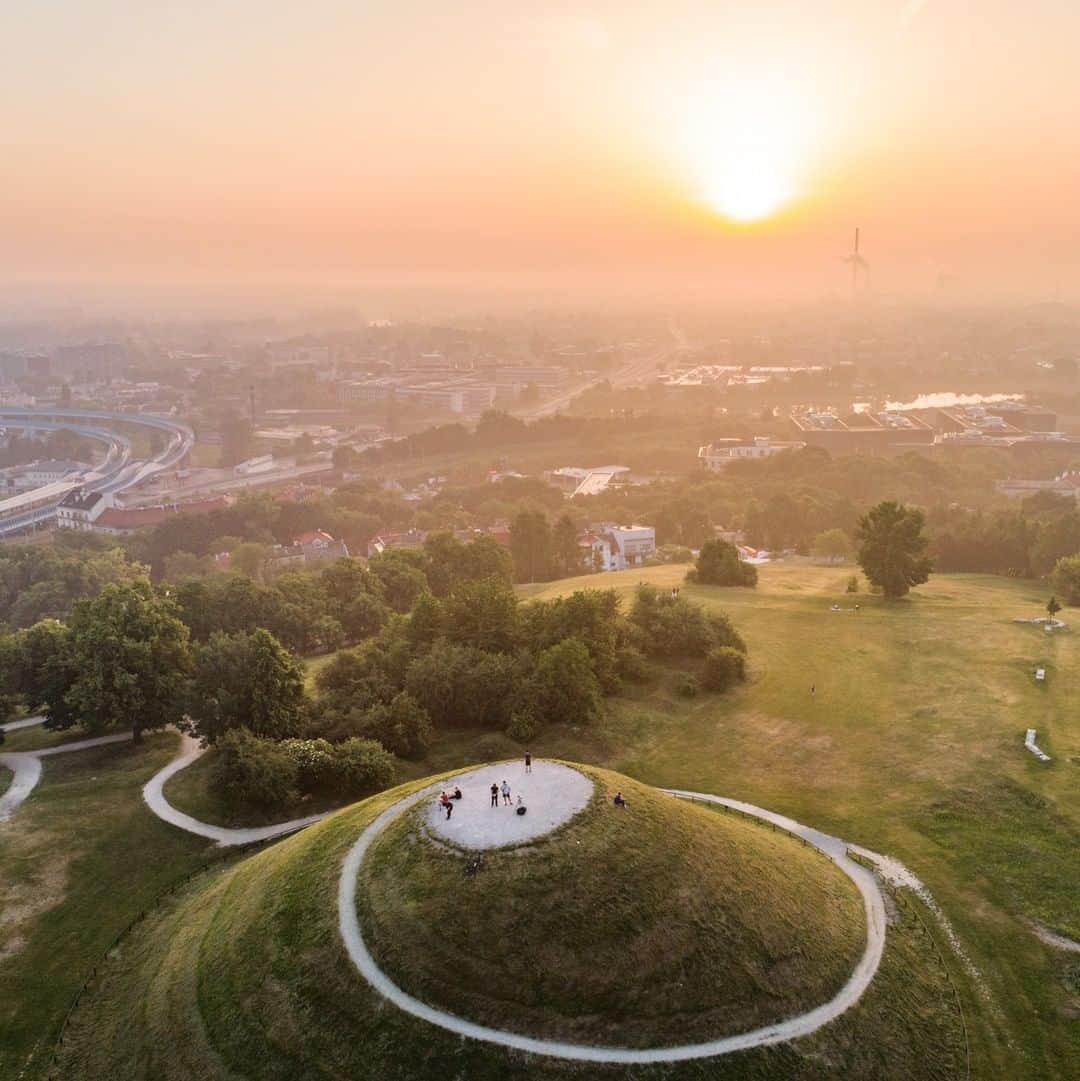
<point x="78" y="861"/>
<point x="244" y="976"/>
<point x="636" y="928"/>
<point x="912" y="745"/>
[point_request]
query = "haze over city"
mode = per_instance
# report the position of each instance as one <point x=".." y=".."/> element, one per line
<point x="702" y="150"/>
<point x="540" y="541"/>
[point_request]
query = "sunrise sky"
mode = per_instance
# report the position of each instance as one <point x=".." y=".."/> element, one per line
<point x="732" y="144"/>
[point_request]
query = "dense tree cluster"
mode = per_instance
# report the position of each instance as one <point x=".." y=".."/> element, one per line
<point x="892" y="548"/>
<point x="718" y="564"/>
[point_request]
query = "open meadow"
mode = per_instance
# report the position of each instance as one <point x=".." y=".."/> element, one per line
<point x="898" y="727"/>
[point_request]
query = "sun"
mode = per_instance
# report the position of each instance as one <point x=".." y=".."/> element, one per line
<point x="748" y="141"/>
<point x="749" y="187"/>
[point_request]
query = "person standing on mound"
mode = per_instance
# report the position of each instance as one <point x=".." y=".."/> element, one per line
<point x="506" y="793"/>
<point x="494" y="794"/>
<point x="528" y="762"/>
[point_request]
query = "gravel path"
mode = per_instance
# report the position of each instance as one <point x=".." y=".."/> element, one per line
<point x="26" y="765"/>
<point x="794" y="1027"/>
<point x="153" y="794"/>
<point x="552" y="795"/>
<point x="26" y="722"/>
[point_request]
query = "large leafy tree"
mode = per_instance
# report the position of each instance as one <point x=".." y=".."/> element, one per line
<point x="530" y="545"/>
<point x="245" y="681"/>
<point x="718" y="564"/>
<point x="892" y="548"/>
<point x="128" y="657"/>
<point x="1066" y="578"/>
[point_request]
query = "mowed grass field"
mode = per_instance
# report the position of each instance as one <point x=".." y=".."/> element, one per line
<point x="911" y="744"/>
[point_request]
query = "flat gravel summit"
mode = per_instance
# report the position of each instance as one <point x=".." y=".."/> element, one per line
<point x="551" y="795"/>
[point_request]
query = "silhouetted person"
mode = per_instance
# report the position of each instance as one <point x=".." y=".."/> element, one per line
<point x="528" y="762"/>
<point x="619" y="801"/>
<point x="494" y="794"/>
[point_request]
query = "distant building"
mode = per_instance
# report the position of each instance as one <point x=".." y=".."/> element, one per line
<point x="80" y="509"/>
<point x="607" y="547"/>
<point x="1067" y="484"/>
<point x="575" y="480"/>
<point x="411" y="538"/>
<point x="861" y="431"/>
<point x="719" y="455"/>
<point x="315" y="546"/>
<point x="49" y="472"/>
<point x="120" y="522"/>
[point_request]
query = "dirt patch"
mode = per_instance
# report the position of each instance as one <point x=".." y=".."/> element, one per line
<point x="24" y="901"/>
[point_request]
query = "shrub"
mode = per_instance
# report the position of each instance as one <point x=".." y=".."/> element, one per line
<point x="724" y="667"/>
<point x="563" y="688"/>
<point x="632" y="665"/>
<point x="257" y="772"/>
<point x="670" y="626"/>
<point x="687" y="687"/>
<point x="523" y="726"/>
<point x="853" y="584"/>
<point x="357" y="767"/>
<point x="1065" y="579"/>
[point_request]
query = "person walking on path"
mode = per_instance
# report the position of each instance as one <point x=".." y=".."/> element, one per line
<point x="528" y="762"/>
<point x="494" y="794"/>
<point x="506" y="794"/>
<point x="449" y="809"/>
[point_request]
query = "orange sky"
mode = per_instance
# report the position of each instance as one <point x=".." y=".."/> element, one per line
<point x="588" y="146"/>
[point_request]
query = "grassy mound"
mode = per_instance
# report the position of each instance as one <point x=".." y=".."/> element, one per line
<point x="243" y="975"/>
<point x="662" y="924"/>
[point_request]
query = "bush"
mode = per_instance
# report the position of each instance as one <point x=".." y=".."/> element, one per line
<point x="523" y="726"/>
<point x="670" y="626"/>
<point x="632" y="665"/>
<point x="257" y="772"/>
<point x="724" y="667"/>
<point x="718" y="564"/>
<point x="352" y="769"/>
<point x="564" y="688"/>
<point x="687" y="687"/>
<point x="1065" y="579"/>
<point x="853" y="584"/>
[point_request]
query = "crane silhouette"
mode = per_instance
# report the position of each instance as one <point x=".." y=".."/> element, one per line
<point x="858" y="265"/>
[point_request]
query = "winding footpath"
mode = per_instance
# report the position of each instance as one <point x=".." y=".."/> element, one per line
<point x="802" y="1025"/>
<point x="26" y="765"/>
<point x="154" y="795"/>
<point x="26" y="768"/>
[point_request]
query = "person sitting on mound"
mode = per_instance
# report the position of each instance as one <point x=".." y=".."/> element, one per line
<point x="457" y="793"/>
<point x="619" y="801"/>
<point x="520" y="806"/>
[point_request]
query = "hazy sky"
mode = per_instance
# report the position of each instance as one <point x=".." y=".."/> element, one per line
<point x="549" y="144"/>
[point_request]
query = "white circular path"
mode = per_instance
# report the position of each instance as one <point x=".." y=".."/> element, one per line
<point x="801" y="1025"/>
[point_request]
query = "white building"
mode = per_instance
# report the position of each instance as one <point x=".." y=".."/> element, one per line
<point x="80" y="509"/>
<point x="38" y="474"/>
<point x="608" y="547"/>
<point x="718" y="456"/>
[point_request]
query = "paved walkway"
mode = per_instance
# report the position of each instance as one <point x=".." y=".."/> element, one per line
<point x="551" y="794"/>
<point x="802" y="1025"/>
<point x="26" y="765"/>
<point x="154" y="795"/>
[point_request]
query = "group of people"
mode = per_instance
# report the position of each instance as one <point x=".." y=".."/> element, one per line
<point x="446" y="800"/>
<point x="504" y="788"/>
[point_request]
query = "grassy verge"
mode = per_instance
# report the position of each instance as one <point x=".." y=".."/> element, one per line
<point x="5" y="779"/>
<point x="80" y="859"/>
<point x="246" y="977"/>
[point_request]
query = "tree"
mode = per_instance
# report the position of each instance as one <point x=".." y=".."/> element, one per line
<point x="249" y="559"/>
<point x="530" y="545"/>
<point x="482" y="614"/>
<point x="833" y="545"/>
<point x="718" y="564"/>
<point x="564" y="689"/>
<point x="565" y="550"/>
<point x="246" y="681"/>
<point x="892" y="548"/>
<point x="129" y="657"/>
<point x="403" y="727"/>
<point x="1066" y="579"/>
<point x="1052" y="607"/>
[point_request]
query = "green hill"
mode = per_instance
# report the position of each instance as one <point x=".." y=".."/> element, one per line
<point x="664" y="924"/>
